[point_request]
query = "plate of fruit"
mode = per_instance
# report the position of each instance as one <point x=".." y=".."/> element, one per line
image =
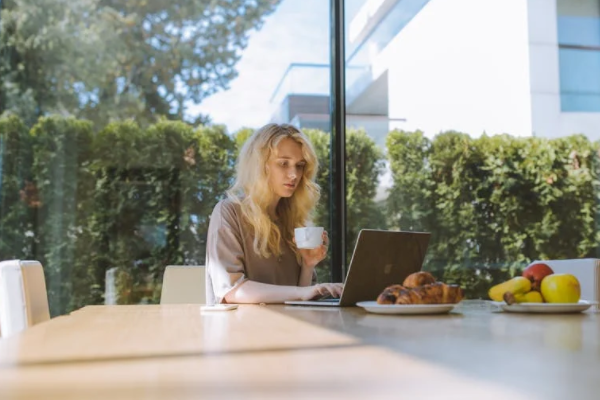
<point x="420" y="293"/>
<point x="540" y="290"/>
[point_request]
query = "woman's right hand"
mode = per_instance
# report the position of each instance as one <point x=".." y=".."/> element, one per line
<point x="321" y="290"/>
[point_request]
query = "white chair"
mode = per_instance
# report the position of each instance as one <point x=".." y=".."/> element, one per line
<point x="23" y="296"/>
<point x="183" y="285"/>
<point x="587" y="272"/>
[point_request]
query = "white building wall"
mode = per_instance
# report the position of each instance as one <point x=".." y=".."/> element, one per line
<point x="461" y="65"/>
<point x="547" y="118"/>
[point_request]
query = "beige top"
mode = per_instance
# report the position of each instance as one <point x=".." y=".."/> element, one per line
<point x="231" y="260"/>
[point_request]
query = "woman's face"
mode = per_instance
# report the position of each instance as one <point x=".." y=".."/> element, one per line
<point x="285" y="167"/>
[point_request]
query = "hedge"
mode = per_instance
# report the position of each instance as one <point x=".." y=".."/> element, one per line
<point x="133" y="199"/>
<point x="494" y="204"/>
<point x="84" y="201"/>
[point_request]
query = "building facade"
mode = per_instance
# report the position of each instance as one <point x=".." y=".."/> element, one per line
<point x="521" y="67"/>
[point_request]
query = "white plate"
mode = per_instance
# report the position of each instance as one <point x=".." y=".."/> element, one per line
<point x="548" y="308"/>
<point x="373" y="307"/>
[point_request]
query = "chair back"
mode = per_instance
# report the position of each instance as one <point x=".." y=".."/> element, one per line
<point x="36" y="294"/>
<point x="184" y="285"/>
<point x="23" y="296"/>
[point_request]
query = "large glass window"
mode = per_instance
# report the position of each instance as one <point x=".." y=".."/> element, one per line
<point x="454" y="128"/>
<point x="121" y="121"/>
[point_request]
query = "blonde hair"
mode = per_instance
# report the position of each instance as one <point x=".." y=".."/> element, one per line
<point x="253" y="193"/>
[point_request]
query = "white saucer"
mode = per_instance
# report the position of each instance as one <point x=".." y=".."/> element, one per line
<point x="406" y="309"/>
<point x="548" y="308"/>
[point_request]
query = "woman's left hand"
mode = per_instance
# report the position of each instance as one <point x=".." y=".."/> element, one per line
<point x="311" y="257"/>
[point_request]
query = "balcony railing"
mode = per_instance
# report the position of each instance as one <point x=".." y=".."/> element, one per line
<point x="310" y="79"/>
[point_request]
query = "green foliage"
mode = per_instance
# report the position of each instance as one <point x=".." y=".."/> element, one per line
<point x="240" y="138"/>
<point x="364" y="164"/>
<point x="155" y="191"/>
<point x="106" y="60"/>
<point x="62" y="152"/>
<point x="410" y="202"/>
<point x="127" y="198"/>
<point x="138" y="199"/>
<point x="18" y="197"/>
<point x="494" y="204"/>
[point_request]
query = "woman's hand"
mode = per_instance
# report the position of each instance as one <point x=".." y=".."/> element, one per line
<point x="321" y="290"/>
<point x="311" y="257"/>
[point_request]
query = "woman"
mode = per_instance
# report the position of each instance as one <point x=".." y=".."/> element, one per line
<point x="251" y="255"/>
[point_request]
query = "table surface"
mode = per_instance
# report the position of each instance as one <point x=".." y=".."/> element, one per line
<point x="179" y="351"/>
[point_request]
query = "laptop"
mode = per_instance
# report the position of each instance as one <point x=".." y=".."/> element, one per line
<point x="380" y="259"/>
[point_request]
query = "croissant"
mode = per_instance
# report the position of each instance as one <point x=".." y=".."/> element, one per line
<point x="418" y="279"/>
<point x="436" y="293"/>
<point x="389" y="294"/>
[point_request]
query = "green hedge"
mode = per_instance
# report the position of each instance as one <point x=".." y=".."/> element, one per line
<point x="494" y="204"/>
<point x="18" y="198"/>
<point x="62" y="156"/>
<point x="133" y="199"/>
<point x="83" y="202"/>
<point x="364" y="163"/>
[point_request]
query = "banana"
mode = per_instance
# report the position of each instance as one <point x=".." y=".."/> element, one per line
<point x="529" y="297"/>
<point x="516" y="285"/>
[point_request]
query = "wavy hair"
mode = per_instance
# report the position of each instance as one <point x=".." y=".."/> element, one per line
<point x="253" y="193"/>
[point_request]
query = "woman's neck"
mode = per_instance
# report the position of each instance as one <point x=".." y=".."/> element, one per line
<point x="272" y="209"/>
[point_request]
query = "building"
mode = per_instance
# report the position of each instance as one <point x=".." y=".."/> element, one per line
<point x="522" y="67"/>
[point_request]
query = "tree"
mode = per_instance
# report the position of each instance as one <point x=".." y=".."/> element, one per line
<point x="54" y="54"/>
<point x="112" y="59"/>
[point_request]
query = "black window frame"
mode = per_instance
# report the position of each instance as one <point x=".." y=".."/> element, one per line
<point x="337" y="206"/>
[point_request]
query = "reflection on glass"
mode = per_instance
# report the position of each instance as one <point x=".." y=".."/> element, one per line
<point x="462" y="100"/>
<point x="578" y="22"/>
<point x="579" y="80"/>
<point x="579" y="55"/>
<point x="120" y="125"/>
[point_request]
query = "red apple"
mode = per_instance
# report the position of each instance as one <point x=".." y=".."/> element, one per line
<point x="536" y="272"/>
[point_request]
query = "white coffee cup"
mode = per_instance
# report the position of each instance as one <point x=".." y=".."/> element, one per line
<point x="309" y="237"/>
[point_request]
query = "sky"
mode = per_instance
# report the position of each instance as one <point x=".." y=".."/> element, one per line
<point x="297" y="32"/>
<point x="448" y="69"/>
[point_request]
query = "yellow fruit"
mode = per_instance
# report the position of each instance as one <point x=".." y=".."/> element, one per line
<point x="529" y="297"/>
<point x="516" y="285"/>
<point x="561" y="288"/>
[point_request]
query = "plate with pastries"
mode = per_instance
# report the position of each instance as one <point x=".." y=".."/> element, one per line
<point x="420" y="293"/>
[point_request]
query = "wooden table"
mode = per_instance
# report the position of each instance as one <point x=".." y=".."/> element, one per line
<point x="277" y="352"/>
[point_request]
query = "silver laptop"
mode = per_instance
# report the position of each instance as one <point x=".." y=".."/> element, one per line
<point x="380" y="259"/>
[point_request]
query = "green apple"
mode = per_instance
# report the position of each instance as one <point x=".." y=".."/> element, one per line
<point x="561" y="288"/>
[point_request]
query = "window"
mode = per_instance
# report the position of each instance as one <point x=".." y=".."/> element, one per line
<point x="579" y="55"/>
<point x="461" y="135"/>
<point x="121" y="121"/>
